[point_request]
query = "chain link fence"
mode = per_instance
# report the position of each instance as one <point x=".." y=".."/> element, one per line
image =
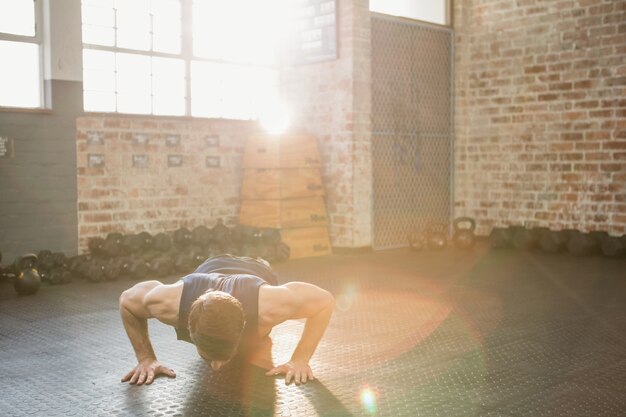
<point x="412" y="123"/>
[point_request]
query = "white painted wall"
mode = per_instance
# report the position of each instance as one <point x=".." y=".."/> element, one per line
<point x="63" y="48"/>
<point x="435" y="11"/>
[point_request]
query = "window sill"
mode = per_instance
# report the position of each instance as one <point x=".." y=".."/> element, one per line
<point x="25" y="110"/>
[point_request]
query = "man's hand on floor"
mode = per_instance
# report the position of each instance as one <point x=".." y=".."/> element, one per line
<point x="146" y="371"/>
<point x="299" y="371"/>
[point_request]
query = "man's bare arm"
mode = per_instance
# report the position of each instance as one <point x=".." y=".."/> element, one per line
<point x="135" y="312"/>
<point x="316" y="306"/>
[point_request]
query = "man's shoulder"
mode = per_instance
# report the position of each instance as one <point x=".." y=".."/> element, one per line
<point x="163" y="302"/>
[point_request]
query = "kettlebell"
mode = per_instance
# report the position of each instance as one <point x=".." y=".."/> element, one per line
<point x="417" y="240"/>
<point x="27" y="280"/>
<point x="437" y="236"/>
<point x="463" y="236"/>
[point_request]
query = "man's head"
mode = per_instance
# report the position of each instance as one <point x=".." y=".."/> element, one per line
<point x="216" y="321"/>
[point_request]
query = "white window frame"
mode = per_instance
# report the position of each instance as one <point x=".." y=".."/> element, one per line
<point x="448" y="14"/>
<point x="37" y="39"/>
<point x="186" y="55"/>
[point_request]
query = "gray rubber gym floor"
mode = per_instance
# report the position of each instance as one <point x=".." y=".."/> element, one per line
<point x="481" y="333"/>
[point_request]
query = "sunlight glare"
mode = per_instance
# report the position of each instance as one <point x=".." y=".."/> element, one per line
<point x="369" y="400"/>
<point x="275" y="117"/>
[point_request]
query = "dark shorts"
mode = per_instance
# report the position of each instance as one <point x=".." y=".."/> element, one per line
<point x="229" y="264"/>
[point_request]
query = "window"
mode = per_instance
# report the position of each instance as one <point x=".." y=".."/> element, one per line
<point x="434" y="11"/>
<point x="21" y="81"/>
<point x="137" y="58"/>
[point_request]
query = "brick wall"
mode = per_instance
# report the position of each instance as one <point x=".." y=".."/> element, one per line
<point x="331" y="100"/>
<point x="123" y="196"/>
<point x="541" y="113"/>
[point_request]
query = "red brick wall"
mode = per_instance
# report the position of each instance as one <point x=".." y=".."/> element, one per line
<point x="541" y="113"/>
<point x="119" y="197"/>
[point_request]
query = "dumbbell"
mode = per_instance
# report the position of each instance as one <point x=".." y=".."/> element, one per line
<point x="112" y="245"/>
<point x="417" y="240"/>
<point x="282" y="252"/>
<point x="183" y="262"/>
<point x="182" y="238"/>
<point x="270" y="236"/>
<point x="45" y="263"/>
<point x="199" y="254"/>
<point x="146" y="240"/>
<point x="161" y="266"/>
<point x="27" y="280"/>
<point x="500" y="237"/>
<point x="553" y="241"/>
<point x="613" y="246"/>
<point x="524" y="238"/>
<point x="78" y="265"/>
<point x="131" y="243"/>
<point x="94" y="271"/>
<point x="59" y="275"/>
<point x="137" y="268"/>
<point x="95" y="245"/>
<point x="463" y="236"/>
<point x="436" y="236"/>
<point x="45" y="260"/>
<point x="279" y="252"/>
<point x="253" y="250"/>
<point x="162" y="242"/>
<point x="584" y="244"/>
<point x="220" y="234"/>
<point x="201" y="236"/>
<point x="98" y="270"/>
<point x="136" y="243"/>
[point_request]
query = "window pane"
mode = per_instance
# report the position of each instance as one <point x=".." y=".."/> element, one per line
<point x="98" y="35"/>
<point x="98" y="80"/>
<point x="95" y="80"/>
<point x="20" y="81"/>
<point x="100" y="3"/>
<point x="133" y="103"/>
<point x="133" y="73"/>
<point x="231" y="91"/>
<point x="426" y="10"/>
<point x="166" y="43"/>
<point x="168" y="86"/>
<point x="133" y="24"/>
<point x="206" y="89"/>
<point x="221" y="31"/>
<point x="208" y="24"/>
<point x="17" y="17"/>
<point x="99" y="101"/>
<point x="133" y="83"/>
<point x="98" y="16"/>
<point x="98" y="60"/>
<point x="166" y="26"/>
<point x="98" y="23"/>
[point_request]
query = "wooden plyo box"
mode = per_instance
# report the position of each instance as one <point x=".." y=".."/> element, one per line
<point x="281" y="151"/>
<point x="279" y="214"/>
<point x="273" y="183"/>
<point x="282" y="189"/>
<point x="307" y="242"/>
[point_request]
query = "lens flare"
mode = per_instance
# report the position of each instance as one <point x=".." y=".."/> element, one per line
<point x="369" y="400"/>
<point x="346" y="298"/>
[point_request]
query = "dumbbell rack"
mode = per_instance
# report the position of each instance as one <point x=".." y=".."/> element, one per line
<point x="282" y="188"/>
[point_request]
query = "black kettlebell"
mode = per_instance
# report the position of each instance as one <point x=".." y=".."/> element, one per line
<point x="27" y="280"/>
<point x="437" y="236"/>
<point x="463" y="236"/>
<point x="417" y="240"/>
